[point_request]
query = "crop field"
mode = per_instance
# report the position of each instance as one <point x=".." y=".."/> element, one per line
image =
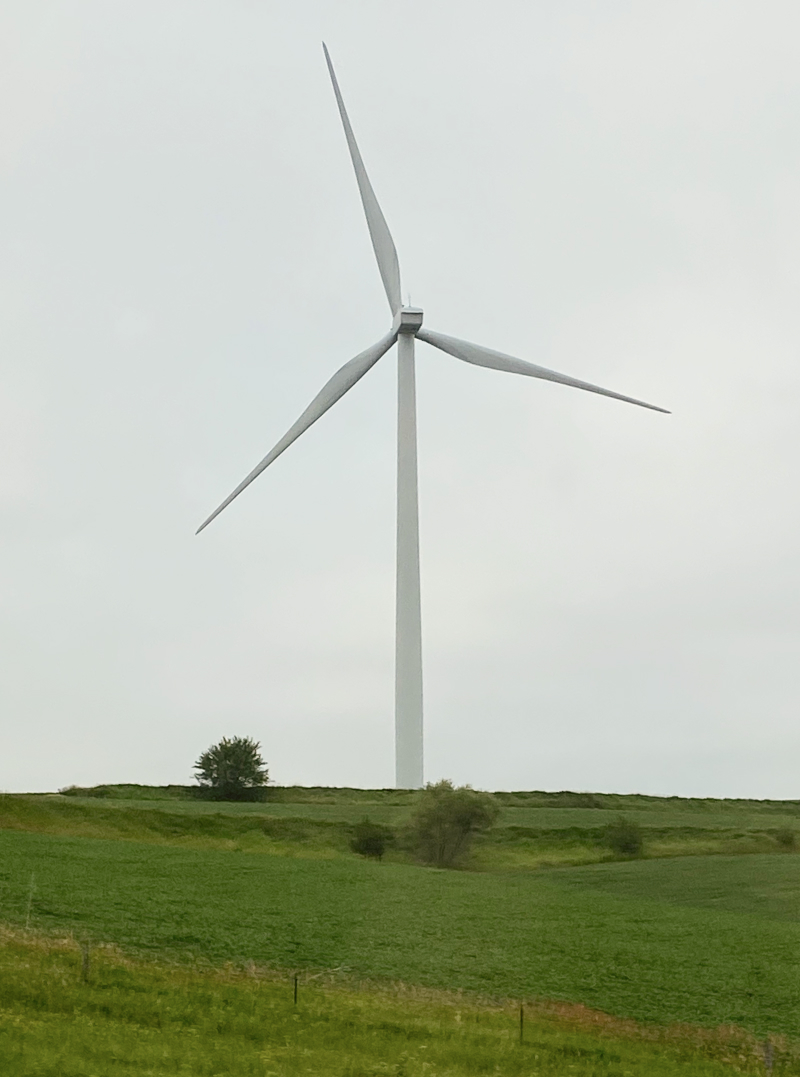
<point x="182" y="897"/>
<point x="704" y="940"/>
<point x="126" y="1016"/>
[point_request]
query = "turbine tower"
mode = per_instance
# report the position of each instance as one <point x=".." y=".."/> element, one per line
<point x="406" y="327"/>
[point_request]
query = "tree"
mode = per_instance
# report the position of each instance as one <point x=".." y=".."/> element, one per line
<point x="370" y="839"/>
<point x="233" y="770"/>
<point x="447" y="819"/>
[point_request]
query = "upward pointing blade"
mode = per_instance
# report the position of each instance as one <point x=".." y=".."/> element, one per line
<point x="344" y="379"/>
<point x="474" y="353"/>
<point x="382" y="242"/>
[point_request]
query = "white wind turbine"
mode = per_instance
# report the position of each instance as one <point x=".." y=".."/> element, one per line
<point x="406" y="326"/>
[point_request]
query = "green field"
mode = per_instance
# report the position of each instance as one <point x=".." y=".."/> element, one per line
<point x="534" y="829"/>
<point x="131" y="1017"/>
<point x="701" y="940"/>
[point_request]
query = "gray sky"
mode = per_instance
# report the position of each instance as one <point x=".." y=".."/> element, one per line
<point x="611" y="597"/>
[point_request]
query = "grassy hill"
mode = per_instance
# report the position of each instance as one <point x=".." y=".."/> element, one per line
<point x="534" y="828"/>
<point x="545" y="915"/>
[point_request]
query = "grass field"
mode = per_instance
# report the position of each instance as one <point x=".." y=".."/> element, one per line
<point x="180" y="897"/>
<point x="534" y="829"/>
<point x="132" y="1017"/>
<point x="708" y="941"/>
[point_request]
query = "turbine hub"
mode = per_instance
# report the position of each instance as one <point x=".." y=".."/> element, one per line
<point x="407" y="320"/>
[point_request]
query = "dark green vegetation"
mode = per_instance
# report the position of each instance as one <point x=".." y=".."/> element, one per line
<point x="233" y="770"/>
<point x="445" y="821"/>
<point x="371" y="839"/>
<point x="132" y="1017"/>
<point x="624" y="837"/>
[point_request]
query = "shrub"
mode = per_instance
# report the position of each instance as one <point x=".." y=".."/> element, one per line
<point x="786" y="837"/>
<point x="624" y="837"/>
<point x="371" y="839"/>
<point x="233" y="770"/>
<point x="446" y="820"/>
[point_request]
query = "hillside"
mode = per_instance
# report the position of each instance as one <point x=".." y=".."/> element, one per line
<point x="542" y="913"/>
<point x="132" y="1016"/>
<point x="534" y="828"/>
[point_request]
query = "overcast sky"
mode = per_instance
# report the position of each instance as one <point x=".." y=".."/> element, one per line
<point x="611" y="597"/>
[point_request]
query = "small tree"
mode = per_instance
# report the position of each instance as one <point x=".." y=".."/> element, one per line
<point x="447" y="819"/>
<point x="371" y="839"/>
<point x="624" y="837"/>
<point x="233" y="770"/>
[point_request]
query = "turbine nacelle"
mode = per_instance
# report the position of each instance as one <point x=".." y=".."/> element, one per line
<point x="407" y="320"/>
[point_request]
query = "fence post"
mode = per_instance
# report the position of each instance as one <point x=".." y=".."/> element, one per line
<point x="85" y="962"/>
<point x="521" y="1021"/>
<point x="30" y="900"/>
<point x="769" y="1055"/>
<point x="295" y="989"/>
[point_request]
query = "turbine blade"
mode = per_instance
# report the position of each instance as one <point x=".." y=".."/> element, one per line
<point x="333" y="390"/>
<point x="474" y="353"/>
<point x="382" y="242"/>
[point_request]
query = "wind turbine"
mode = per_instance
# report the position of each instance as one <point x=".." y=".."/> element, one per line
<point x="406" y="327"/>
